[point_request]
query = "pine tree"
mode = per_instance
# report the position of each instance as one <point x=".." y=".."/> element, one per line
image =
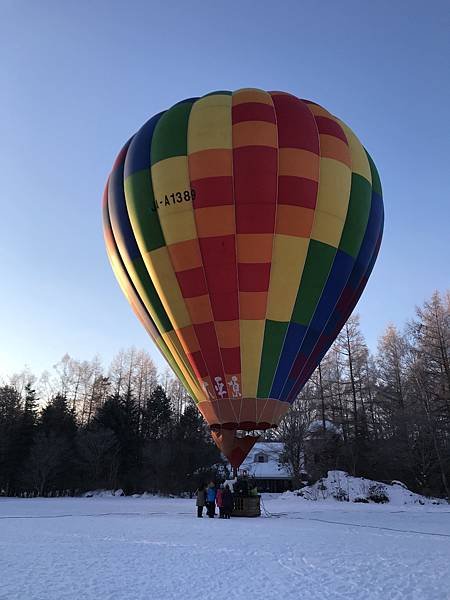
<point x="28" y="425"/>
<point x="120" y="415"/>
<point x="156" y="415"/>
<point x="58" y="418"/>
<point x="10" y="451"/>
<point x="51" y="466"/>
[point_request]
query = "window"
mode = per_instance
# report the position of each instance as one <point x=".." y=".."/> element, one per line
<point x="261" y="458"/>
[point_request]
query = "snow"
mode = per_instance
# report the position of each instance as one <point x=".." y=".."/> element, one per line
<point x="341" y="484"/>
<point x="317" y="425"/>
<point x="266" y="470"/>
<point x="117" y="548"/>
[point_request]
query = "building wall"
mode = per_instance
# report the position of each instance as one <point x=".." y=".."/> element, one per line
<point x="273" y="485"/>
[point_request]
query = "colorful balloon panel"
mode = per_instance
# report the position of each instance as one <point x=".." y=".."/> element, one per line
<point x="242" y="227"/>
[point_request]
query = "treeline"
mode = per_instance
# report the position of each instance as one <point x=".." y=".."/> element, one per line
<point x="384" y="416"/>
<point x="128" y="428"/>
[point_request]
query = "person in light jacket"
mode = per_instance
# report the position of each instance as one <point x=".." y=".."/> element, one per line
<point x="201" y="499"/>
<point x="211" y="500"/>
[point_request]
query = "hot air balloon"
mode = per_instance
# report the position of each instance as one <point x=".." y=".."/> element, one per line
<point x="242" y="228"/>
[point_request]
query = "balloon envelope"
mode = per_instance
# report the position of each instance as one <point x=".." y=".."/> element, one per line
<point x="242" y="227"/>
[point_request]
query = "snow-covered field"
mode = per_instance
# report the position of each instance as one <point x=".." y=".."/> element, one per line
<point x="156" y="549"/>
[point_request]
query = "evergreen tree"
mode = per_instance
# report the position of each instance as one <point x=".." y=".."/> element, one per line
<point x="58" y="418"/>
<point x="196" y="455"/>
<point x="156" y="415"/>
<point x="98" y="458"/>
<point x="51" y="466"/>
<point x="10" y="451"/>
<point x="27" y="425"/>
<point x="120" y="415"/>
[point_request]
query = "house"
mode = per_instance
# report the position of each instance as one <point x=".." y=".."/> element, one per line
<point x="263" y="465"/>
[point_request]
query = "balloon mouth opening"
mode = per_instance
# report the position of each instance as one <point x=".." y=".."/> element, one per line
<point x="243" y="427"/>
<point x="246" y="414"/>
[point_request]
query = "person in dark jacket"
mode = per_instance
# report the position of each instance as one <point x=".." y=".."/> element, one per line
<point x="219" y="501"/>
<point x="201" y="499"/>
<point x="211" y="500"/>
<point x="227" y="502"/>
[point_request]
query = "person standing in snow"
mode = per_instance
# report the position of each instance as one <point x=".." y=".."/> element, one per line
<point x="211" y="500"/>
<point x="201" y="499"/>
<point x="219" y="501"/>
<point x="227" y="502"/>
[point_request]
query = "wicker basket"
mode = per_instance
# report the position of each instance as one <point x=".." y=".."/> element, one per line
<point x="247" y="507"/>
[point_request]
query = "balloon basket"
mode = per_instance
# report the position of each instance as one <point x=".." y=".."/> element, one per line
<point x="247" y="506"/>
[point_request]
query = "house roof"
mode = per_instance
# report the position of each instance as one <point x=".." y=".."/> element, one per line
<point x="266" y="470"/>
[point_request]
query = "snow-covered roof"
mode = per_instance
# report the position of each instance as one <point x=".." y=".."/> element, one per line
<point x="317" y="425"/>
<point x="266" y="470"/>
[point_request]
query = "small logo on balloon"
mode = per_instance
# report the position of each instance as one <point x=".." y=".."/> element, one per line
<point x="235" y="387"/>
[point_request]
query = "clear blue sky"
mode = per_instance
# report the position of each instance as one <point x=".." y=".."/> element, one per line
<point x="79" y="77"/>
